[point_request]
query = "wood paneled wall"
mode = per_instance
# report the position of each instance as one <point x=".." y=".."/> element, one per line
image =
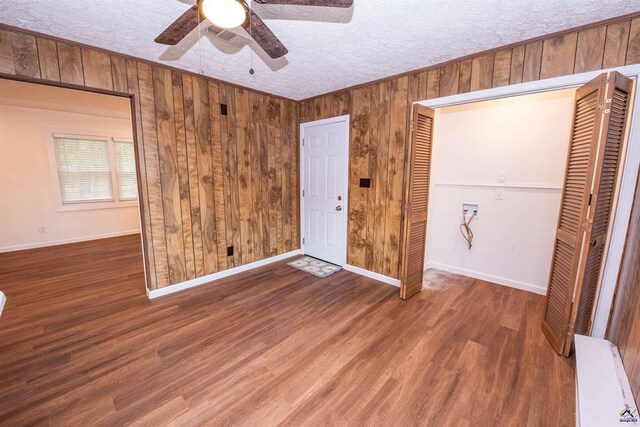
<point x="207" y="180"/>
<point x="624" y="328"/>
<point x="380" y="114"/>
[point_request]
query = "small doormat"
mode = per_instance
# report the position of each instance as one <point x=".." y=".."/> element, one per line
<point x="315" y="266"/>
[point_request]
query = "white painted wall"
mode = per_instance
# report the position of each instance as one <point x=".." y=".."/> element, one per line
<point x="28" y="113"/>
<point x="525" y="137"/>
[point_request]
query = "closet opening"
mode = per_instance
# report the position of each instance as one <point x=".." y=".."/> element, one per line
<point x="501" y="178"/>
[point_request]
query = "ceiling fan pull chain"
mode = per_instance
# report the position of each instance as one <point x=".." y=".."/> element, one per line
<point x="198" y="22"/>
<point x="251" y="71"/>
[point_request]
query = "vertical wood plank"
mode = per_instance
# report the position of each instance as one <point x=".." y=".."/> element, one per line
<point x="359" y="159"/>
<point x="226" y="175"/>
<point x="48" y="58"/>
<point x="7" y="65"/>
<point x="294" y="139"/>
<point x="25" y="55"/>
<point x="590" y="49"/>
<point x="532" y="61"/>
<point x="96" y="67"/>
<point x="482" y="72"/>
<point x="395" y="174"/>
<point x="152" y="165"/>
<point x="344" y="103"/>
<point x="517" y="65"/>
<point x="374" y="141"/>
<point x="423" y="83"/>
<point x="306" y="114"/>
<point x="183" y="174"/>
<point x="263" y="144"/>
<point x="167" y="154"/>
<point x="273" y="119"/>
<point x="502" y="68"/>
<point x="205" y="174"/>
<point x="218" y="180"/>
<point x="382" y="122"/>
<point x="464" y="82"/>
<point x="232" y="140"/>
<point x="449" y="75"/>
<point x="287" y="221"/>
<point x="192" y="167"/>
<point x="558" y="56"/>
<point x="615" y="46"/>
<point x="133" y="89"/>
<point x="243" y="153"/>
<point x="633" y="51"/>
<point x="119" y="74"/>
<point x="70" y="64"/>
<point x="279" y="177"/>
<point x="433" y="83"/>
<point x="254" y="174"/>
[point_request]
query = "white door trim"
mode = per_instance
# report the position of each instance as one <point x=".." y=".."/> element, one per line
<point x="631" y="159"/>
<point x="345" y="120"/>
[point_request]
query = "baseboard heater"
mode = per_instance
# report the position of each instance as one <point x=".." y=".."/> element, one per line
<point x="603" y="394"/>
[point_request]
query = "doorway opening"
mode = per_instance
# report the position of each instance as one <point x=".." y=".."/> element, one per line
<point x="503" y="162"/>
<point x="324" y="166"/>
<point x="68" y="182"/>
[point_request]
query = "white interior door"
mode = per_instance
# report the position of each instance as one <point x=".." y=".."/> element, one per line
<point x="324" y="202"/>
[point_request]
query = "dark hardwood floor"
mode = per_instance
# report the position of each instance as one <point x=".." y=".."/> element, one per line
<point x="80" y="344"/>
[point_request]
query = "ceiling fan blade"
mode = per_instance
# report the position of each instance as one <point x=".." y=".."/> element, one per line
<point x="180" y="27"/>
<point x="264" y="37"/>
<point x="325" y="3"/>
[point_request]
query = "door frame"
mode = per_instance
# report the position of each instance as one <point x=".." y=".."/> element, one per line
<point x="629" y="171"/>
<point x="345" y="120"/>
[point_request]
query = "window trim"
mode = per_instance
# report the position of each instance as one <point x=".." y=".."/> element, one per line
<point x="50" y="137"/>
<point x="114" y="171"/>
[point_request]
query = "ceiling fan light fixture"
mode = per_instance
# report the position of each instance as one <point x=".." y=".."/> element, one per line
<point x="224" y="13"/>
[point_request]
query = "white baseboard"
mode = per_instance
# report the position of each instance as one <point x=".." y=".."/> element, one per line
<point x="602" y="385"/>
<point x="155" y="293"/>
<point x="489" y="278"/>
<point x="66" y="241"/>
<point x="372" y="275"/>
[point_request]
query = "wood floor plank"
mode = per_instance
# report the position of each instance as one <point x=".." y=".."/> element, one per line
<point x="82" y="345"/>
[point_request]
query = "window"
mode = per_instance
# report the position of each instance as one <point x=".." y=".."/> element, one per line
<point x="95" y="171"/>
<point x="125" y="169"/>
<point x="83" y="170"/>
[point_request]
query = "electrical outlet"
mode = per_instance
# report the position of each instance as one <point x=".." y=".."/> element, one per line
<point x="42" y="229"/>
<point x="499" y="193"/>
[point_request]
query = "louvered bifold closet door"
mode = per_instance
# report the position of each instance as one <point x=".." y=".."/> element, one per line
<point x="416" y="201"/>
<point x="590" y="184"/>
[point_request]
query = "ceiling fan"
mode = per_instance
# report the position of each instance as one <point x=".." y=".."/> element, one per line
<point x="235" y="13"/>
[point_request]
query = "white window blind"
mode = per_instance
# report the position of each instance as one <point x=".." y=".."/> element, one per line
<point x="83" y="170"/>
<point x="125" y="169"/>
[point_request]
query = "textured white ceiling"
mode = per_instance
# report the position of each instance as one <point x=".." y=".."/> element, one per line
<point x="329" y="49"/>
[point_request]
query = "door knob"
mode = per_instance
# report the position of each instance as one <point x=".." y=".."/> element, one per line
<point x="338" y="208"/>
